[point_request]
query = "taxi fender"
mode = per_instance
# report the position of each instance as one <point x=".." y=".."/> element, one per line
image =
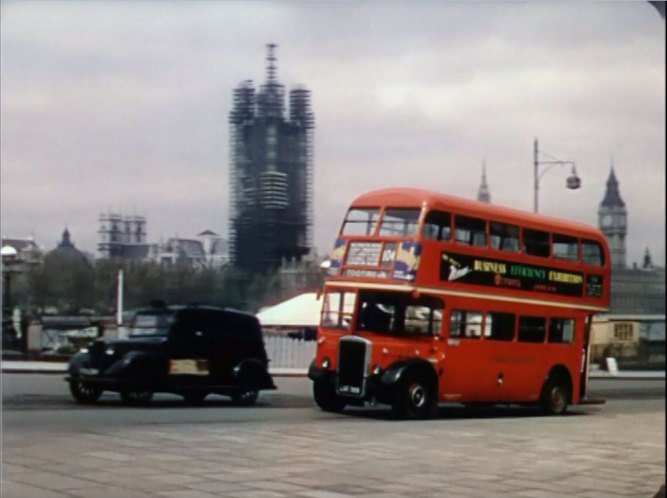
<point x="77" y="362"/>
<point x="138" y="364"/>
<point x="253" y="373"/>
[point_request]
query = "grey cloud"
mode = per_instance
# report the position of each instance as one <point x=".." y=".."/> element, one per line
<point x="136" y="97"/>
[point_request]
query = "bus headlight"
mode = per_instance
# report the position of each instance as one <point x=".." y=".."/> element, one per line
<point x="325" y="363"/>
<point x="377" y="369"/>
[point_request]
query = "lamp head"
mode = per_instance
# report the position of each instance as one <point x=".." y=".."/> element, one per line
<point x="573" y="181"/>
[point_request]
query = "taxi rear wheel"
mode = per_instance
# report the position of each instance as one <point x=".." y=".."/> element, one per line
<point x="245" y="398"/>
<point x="194" y="397"/>
<point x="136" y="397"/>
<point x="84" y="393"/>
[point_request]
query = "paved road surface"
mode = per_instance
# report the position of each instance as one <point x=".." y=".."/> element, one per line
<point x="285" y="447"/>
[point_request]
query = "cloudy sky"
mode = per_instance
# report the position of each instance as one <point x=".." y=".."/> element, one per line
<point x="123" y="106"/>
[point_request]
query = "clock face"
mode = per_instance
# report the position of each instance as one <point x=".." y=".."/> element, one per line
<point x="605" y="221"/>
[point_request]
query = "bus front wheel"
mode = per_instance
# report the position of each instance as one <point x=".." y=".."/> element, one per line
<point x="555" y="396"/>
<point x="326" y="398"/>
<point x="414" y="399"/>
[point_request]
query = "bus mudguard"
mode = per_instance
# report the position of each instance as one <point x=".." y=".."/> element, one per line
<point x="397" y="371"/>
<point x="315" y="372"/>
<point x="561" y="372"/>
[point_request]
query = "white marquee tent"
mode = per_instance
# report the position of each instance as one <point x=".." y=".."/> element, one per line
<point x="300" y="311"/>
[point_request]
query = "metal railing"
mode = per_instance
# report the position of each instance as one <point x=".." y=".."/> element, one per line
<point x="287" y="353"/>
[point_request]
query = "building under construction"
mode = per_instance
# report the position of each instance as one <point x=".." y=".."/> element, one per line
<point x="122" y="236"/>
<point x="271" y="173"/>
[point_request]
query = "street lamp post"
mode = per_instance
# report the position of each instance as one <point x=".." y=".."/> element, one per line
<point x="573" y="181"/>
<point x="9" y="260"/>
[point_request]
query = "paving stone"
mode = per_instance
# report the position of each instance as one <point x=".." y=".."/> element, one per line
<point x="349" y="457"/>
<point x="15" y="489"/>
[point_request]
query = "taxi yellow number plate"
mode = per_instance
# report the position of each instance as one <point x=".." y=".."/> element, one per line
<point x="188" y="367"/>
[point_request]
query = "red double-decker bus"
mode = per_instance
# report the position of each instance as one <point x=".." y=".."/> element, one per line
<point x="431" y="299"/>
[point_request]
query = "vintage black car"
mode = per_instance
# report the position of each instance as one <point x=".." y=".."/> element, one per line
<point x="192" y="351"/>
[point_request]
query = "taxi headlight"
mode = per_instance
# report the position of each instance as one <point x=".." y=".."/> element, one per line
<point x="110" y="351"/>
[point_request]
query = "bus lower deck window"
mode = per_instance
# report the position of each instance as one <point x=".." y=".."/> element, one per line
<point x="500" y="326"/>
<point x="532" y="329"/>
<point x="466" y="324"/>
<point x="561" y="330"/>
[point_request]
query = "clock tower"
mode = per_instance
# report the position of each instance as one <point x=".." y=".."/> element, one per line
<point x="612" y="219"/>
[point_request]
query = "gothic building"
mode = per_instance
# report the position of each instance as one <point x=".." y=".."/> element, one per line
<point x="270" y="174"/>
<point x="636" y="290"/>
<point x="612" y="220"/>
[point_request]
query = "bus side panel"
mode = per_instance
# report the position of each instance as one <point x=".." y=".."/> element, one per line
<point x="496" y="369"/>
<point x="460" y="381"/>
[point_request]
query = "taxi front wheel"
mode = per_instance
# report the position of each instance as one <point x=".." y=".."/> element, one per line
<point x="84" y="393"/>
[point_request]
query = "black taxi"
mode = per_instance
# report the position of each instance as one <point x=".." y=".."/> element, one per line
<point x="192" y="351"/>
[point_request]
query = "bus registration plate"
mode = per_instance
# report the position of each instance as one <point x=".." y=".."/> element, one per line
<point x="349" y="390"/>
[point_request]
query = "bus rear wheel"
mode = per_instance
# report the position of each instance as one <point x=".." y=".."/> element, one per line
<point x="555" y="396"/>
<point x="414" y="399"/>
<point x="326" y="397"/>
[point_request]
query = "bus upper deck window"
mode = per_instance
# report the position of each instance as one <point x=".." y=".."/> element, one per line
<point x="536" y="243"/>
<point x="471" y="231"/>
<point x="591" y="252"/>
<point x="504" y="237"/>
<point x="360" y="221"/>
<point x="565" y="247"/>
<point x="399" y="222"/>
<point x="438" y="226"/>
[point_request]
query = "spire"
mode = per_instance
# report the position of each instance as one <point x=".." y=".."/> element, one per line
<point x="270" y="101"/>
<point x="483" y="194"/>
<point x="612" y="196"/>
<point x="66" y="241"/>
<point x="648" y="262"/>
<point x="271" y="63"/>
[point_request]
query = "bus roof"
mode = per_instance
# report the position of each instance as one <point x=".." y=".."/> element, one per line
<point x="414" y="197"/>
